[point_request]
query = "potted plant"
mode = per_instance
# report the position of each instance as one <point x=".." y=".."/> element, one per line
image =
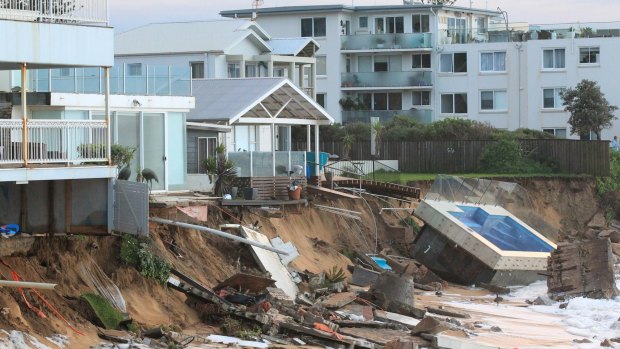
<point x="587" y="32"/>
<point x="347" y="103"/>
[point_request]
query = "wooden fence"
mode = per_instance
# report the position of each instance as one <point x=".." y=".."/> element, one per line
<point x="570" y="156"/>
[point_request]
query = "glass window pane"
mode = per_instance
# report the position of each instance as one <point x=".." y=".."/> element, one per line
<point x="128" y="134"/>
<point x="400" y="25"/>
<point x="447" y="104"/>
<point x="548" y="59"/>
<point x="460" y="62"/>
<point x="390" y="25"/>
<point x="198" y="70"/>
<point x="381" y="102"/>
<point x="396" y="101"/>
<point x="426" y="24"/>
<point x="306" y="27"/>
<point x="396" y="63"/>
<point x="379" y="26"/>
<point x="486" y="61"/>
<point x="426" y="60"/>
<point x="548" y="99"/>
<point x="560" y="133"/>
<point x="177" y="163"/>
<point x="320" y="27"/>
<point x="363" y="22"/>
<point x="381" y="63"/>
<point x="366" y="100"/>
<point x="486" y="100"/>
<point x="445" y="63"/>
<point x="499" y="62"/>
<point x="154" y="147"/>
<point x="559" y="59"/>
<point x="460" y="103"/>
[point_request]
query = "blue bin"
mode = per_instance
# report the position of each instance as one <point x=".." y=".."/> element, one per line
<point x="311" y="163"/>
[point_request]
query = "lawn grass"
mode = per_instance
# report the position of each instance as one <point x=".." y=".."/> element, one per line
<point x="109" y="316"/>
<point x="403" y="178"/>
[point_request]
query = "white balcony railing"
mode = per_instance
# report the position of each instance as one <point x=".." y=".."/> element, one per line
<point x="54" y="142"/>
<point x="56" y="11"/>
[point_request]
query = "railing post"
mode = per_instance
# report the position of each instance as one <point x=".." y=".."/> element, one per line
<point x="169" y="80"/>
<point x="107" y="116"/>
<point x="24" y="115"/>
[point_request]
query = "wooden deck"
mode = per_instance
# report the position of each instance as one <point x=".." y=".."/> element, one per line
<point x="270" y="188"/>
<point x="382" y="188"/>
<point x="330" y="193"/>
<point x="264" y="202"/>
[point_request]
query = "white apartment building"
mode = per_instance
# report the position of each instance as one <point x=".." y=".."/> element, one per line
<point x="432" y="62"/>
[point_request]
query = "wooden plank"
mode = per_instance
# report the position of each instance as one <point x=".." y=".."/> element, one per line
<point x="330" y="193"/>
<point x="263" y="202"/>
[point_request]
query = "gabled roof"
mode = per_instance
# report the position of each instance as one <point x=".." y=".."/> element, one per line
<point x="184" y="37"/>
<point x="255" y="101"/>
<point x="302" y="47"/>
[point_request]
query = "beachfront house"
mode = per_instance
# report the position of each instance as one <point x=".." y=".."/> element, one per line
<point x="62" y="105"/>
<point x="259" y="113"/>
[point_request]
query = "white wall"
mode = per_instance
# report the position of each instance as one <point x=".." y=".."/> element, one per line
<point x="55" y="45"/>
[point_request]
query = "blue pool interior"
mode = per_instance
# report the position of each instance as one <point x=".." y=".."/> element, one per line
<point x="382" y="263"/>
<point x="502" y="231"/>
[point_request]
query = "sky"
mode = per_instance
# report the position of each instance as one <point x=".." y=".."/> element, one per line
<point x="128" y="14"/>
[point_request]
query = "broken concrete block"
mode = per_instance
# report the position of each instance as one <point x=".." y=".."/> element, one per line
<point x="615" y="247"/>
<point x="364" y="277"/>
<point x="339" y="300"/>
<point x="396" y="294"/>
<point x="598" y="221"/>
<point x="430" y="325"/>
<point x="401" y="344"/>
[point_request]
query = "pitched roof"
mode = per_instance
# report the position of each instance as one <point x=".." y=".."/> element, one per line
<point x="184" y="37"/>
<point x="305" y="47"/>
<point x="233" y="100"/>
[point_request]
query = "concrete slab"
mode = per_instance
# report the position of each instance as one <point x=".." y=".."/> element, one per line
<point x="270" y="262"/>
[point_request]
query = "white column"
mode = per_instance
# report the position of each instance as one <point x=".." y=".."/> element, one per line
<point x="24" y="115"/>
<point x="308" y="138"/>
<point x="312" y="81"/>
<point x="291" y="72"/>
<point x="242" y="68"/>
<point x="316" y="151"/>
<point x="301" y="76"/>
<point x="107" y="115"/>
<point x="270" y="69"/>
<point x="273" y="147"/>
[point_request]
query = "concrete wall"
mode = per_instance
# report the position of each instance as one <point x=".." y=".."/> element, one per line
<point x="46" y="204"/>
<point x="55" y="45"/>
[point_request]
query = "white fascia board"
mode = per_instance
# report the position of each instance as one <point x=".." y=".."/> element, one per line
<point x="56" y="173"/>
<point x="281" y="121"/>
<point x="94" y="101"/>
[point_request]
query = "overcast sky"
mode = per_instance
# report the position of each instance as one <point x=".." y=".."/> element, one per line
<point x="127" y="14"/>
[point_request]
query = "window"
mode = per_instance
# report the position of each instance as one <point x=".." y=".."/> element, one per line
<point x="421" y="60"/>
<point x="206" y="149"/>
<point x="457" y="30"/>
<point x="313" y="27"/>
<point x="387" y="101"/>
<point x="363" y="22"/>
<point x="320" y="98"/>
<point x="557" y="132"/>
<point x="420" y="24"/>
<point x="234" y="70"/>
<point x="64" y="72"/>
<point x="421" y="98"/>
<point x="589" y="55"/>
<point x="552" y="99"/>
<point x="481" y="23"/>
<point x="389" y="25"/>
<point x="453" y="62"/>
<point x="493" y="61"/>
<point x="454" y="103"/>
<point x="321" y="65"/>
<point x="198" y="70"/>
<point x="493" y="100"/>
<point x="251" y="71"/>
<point x="278" y="72"/>
<point x="554" y="58"/>
<point x="381" y="63"/>
<point x="134" y="69"/>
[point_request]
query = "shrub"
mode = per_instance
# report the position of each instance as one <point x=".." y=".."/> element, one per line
<point x="507" y="156"/>
<point x="611" y="183"/>
<point x="122" y="155"/>
<point x="136" y="254"/>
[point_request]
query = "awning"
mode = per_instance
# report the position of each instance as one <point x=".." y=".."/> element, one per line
<point x="256" y="101"/>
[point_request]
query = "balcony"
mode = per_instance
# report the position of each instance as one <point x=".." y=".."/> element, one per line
<point x="68" y="142"/>
<point x="144" y="81"/>
<point x="392" y="79"/>
<point x="401" y="41"/>
<point x="424" y="116"/>
<point x="56" y="11"/>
